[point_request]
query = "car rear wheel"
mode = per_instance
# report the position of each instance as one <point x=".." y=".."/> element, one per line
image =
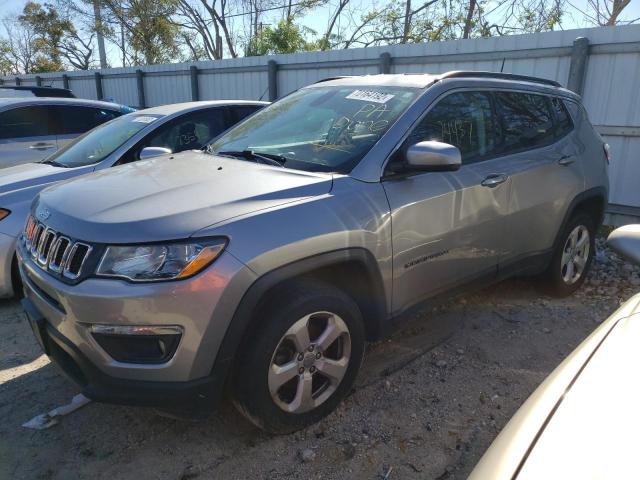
<point x="300" y="359"/>
<point x="572" y="259"/>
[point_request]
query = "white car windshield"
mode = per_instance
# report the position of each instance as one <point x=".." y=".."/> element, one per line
<point x="326" y="129"/>
<point x="95" y="145"/>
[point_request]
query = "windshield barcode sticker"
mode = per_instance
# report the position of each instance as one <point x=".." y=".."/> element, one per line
<point x="142" y="119"/>
<point x="370" y="96"/>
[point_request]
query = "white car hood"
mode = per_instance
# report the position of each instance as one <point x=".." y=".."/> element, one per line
<point x="593" y="432"/>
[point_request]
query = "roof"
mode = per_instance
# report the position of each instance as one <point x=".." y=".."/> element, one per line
<point x="186" y="106"/>
<point x="12" y="102"/>
<point x="41" y="91"/>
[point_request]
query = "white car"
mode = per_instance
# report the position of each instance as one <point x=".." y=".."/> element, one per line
<point x="582" y="422"/>
<point x="138" y="135"/>
<point x="33" y="128"/>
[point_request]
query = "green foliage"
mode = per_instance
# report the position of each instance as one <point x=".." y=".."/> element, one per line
<point x="287" y="37"/>
<point x="6" y="63"/>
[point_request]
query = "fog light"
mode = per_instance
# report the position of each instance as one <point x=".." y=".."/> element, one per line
<point x="138" y="344"/>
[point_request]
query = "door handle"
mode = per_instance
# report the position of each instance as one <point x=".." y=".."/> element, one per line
<point x="566" y="160"/>
<point x="41" y="146"/>
<point x="494" y="180"/>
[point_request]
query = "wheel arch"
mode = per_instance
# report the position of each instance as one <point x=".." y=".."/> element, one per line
<point x="354" y="270"/>
<point x="592" y="201"/>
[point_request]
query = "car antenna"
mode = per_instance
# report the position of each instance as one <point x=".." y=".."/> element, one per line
<point x="502" y="67"/>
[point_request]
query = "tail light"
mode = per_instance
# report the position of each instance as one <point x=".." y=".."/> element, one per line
<point x="607" y="153"/>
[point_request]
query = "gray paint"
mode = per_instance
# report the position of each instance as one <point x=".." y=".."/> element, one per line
<point x="427" y="232"/>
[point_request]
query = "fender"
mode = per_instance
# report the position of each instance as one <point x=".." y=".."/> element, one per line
<point x="376" y="314"/>
<point x="592" y="193"/>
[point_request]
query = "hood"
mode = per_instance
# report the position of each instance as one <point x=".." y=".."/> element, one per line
<point x="592" y="433"/>
<point x="33" y="174"/>
<point x="170" y="198"/>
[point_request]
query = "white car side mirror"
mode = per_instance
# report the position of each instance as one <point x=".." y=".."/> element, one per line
<point x="626" y="241"/>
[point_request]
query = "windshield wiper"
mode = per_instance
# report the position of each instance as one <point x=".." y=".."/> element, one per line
<point x="259" y="157"/>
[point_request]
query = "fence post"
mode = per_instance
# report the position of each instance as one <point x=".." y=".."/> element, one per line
<point x="98" y="78"/>
<point x="17" y="80"/>
<point x="272" y="72"/>
<point x="385" y="62"/>
<point x="65" y="81"/>
<point x="195" y="90"/>
<point x="578" y="67"/>
<point x="38" y="80"/>
<point x="140" y="83"/>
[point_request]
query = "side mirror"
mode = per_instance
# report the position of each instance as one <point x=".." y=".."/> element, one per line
<point x="626" y="241"/>
<point x="433" y="157"/>
<point x="150" y="152"/>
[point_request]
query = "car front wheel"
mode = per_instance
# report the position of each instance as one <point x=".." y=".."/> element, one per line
<point x="300" y="359"/>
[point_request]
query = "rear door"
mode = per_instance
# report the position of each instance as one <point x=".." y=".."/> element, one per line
<point x="74" y="120"/>
<point x="448" y="227"/>
<point x="26" y="135"/>
<point x="541" y="160"/>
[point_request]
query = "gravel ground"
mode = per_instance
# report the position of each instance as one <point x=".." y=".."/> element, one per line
<point x="427" y="404"/>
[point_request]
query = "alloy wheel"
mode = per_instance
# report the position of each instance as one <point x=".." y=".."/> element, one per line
<point x="309" y="362"/>
<point x="575" y="255"/>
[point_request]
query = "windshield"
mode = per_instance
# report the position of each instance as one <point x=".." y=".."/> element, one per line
<point x="95" y="145"/>
<point x="325" y="129"/>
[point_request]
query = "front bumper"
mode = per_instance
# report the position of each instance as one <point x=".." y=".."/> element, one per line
<point x="203" y="306"/>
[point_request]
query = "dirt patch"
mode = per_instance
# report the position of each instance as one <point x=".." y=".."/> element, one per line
<point x="427" y="404"/>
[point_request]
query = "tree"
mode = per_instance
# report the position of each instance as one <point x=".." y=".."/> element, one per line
<point x="606" y="12"/>
<point x="57" y="40"/>
<point x="287" y="37"/>
<point x="6" y="63"/>
<point x="148" y="27"/>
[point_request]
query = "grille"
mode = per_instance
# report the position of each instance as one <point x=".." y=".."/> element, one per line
<point x="53" y="251"/>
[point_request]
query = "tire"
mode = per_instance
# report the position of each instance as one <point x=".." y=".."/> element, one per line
<point x="275" y="349"/>
<point x="564" y="276"/>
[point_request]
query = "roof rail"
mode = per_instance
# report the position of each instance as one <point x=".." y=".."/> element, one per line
<point x="501" y="76"/>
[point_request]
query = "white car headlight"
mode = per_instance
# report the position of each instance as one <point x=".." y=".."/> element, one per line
<point x="151" y="262"/>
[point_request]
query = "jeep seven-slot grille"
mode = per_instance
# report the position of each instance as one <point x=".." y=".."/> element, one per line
<point x="53" y="251"/>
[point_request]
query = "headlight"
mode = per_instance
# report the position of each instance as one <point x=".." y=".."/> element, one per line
<point x="4" y="213"/>
<point x="170" y="261"/>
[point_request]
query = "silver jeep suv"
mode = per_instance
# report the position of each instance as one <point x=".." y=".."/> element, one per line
<point x="262" y="265"/>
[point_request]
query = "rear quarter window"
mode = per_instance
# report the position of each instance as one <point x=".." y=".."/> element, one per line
<point x="564" y="124"/>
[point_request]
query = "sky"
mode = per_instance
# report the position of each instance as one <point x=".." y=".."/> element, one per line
<point x="320" y="17"/>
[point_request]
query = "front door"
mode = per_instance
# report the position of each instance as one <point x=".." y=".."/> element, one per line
<point x="448" y="227"/>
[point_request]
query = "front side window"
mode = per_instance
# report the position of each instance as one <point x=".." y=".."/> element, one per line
<point x="464" y="120"/>
<point x="525" y="121"/>
<point x="323" y="128"/>
<point x="78" y="119"/>
<point x="189" y="132"/>
<point x="23" y="122"/>
<point x="95" y="145"/>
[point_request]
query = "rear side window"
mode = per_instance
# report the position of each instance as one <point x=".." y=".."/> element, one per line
<point x="525" y="121"/>
<point x="77" y="119"/>
<point x="563" y="120"/>
<point x="25" y="122"/>
<point x="464" y="120"/>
